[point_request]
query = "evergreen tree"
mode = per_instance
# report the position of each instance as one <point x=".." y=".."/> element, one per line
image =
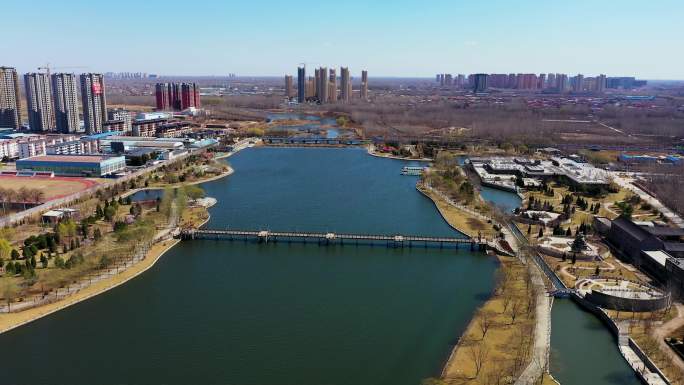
<point x="541" y="233"/>
<point x="28" y="253"/>
<point x="52" y="245"/>
<point x="14" y="254"/>
<point x="568" y="232"/>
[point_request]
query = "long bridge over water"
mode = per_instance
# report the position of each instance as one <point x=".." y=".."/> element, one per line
<point x="393" y="241"/>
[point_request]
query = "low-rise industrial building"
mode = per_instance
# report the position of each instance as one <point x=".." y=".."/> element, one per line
<point x="74" y="165"/>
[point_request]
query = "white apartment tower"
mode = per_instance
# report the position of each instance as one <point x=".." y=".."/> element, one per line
<point x="94" y="102"/>
<point x="39" y="101"/>
<point x="65" y="97"/>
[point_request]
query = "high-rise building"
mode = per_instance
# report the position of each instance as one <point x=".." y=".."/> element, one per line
<point x="310" y="88"/>
<point x="177" y="96"/>
<point x="94" y="102"/>
<point x="10" y="106"/>
<point x="541" y="81"/>
<point x="65" y="98"/>
<point x="601" y="83"/>
<point x="578" y="83"/>
<point x="162" y="95"/>
<point x="332" y="86"/>
<point x="301" y="84"/>
<point x="550" y="81"/>
<point x="317" y="82"/>
<point x="364" y="85"/>
<point x="190" y="96"/>
<point x="479" y="82"/>
<point x="289" y="91"/>
<point x="345" y="85"/>
<point x="460" y="80"/>
<point x="562" y="84"/>
<point x="39" y="101"/>
<point x="322" y="90"/>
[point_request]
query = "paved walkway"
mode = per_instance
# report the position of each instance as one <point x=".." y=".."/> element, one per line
<point x="539" y="361"/>
<point x="542" y="332"/>
<point x="633" y="358"/>
<point x="655" y="203"/>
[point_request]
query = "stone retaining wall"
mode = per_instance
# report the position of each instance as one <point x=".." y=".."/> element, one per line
<point x="608" y="301"/>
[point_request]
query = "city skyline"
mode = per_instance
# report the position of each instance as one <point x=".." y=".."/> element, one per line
<point x="464" y="38"/>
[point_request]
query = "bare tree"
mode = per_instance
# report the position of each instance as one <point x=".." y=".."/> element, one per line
<point x="478" y="353"/>
<point x="506" y="300"/>
<point x="515" y="309"/>
<point x="485" y="321"/>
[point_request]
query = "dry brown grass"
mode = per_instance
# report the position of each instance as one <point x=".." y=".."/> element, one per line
<point x="462" y="220"/>
<point x="642" y="334"/>
<point x="506" y="342"/>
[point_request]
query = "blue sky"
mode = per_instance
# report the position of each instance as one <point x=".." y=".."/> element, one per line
<point x="389" y="38"/>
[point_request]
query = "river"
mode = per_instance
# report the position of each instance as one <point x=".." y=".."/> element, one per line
<point x="243" y="313"/>
<point x="583" y="351"/>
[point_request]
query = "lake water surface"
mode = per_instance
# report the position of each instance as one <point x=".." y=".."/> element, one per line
<point x="215" y="312"/>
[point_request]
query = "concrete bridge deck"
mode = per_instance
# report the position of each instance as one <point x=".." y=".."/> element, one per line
<point x="266" y="236"/>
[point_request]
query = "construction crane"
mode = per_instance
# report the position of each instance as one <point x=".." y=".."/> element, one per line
<point x="47" y="68"/>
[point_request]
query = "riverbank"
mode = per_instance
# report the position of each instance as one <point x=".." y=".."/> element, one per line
<point x="191" y="216"/>
<point x="11" y="321"/>
<point x="228" y="172"/>
<point x="509" y="314"/>
<point x="528" y="361"/>
<point x="371" y="151"/>
<point x="461" y="220"/>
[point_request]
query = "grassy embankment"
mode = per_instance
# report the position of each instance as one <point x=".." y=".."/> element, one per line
<point x="463" y="221"/>
<point x="446" y="177"/>
<point x="496" y="345"/>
